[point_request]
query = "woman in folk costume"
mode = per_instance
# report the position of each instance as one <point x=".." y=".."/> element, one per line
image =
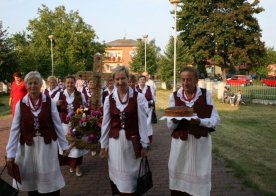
<point x="148" y="92"/>
<point x="32" y="145"/>
<point x="124" y="125"/>
<point x="53" y="90"/>
<point x="87" y="91"/>
<point x="190" y="157"/>
<point x="69" y="101"/>
<point x="108" y="90"/>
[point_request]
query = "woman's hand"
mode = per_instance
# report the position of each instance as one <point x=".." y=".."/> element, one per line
<point x="195" y="121"/>
<point x="175" y="120"/>
<point x="103" y="153"/>
<point x="59" y="102"/>
<point x="66" y="152"/>
<point x="10" y="102"/>
<point x="144" y="152"/>
<point x="10" y="162"/>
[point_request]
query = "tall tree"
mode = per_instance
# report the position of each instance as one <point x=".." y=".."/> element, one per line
<point x="152" y="55"/>
<point x="226" y="31"/>
<point x="73" y="42"/>
<point x="166" y="64"/>
<point x="7" y="58"/>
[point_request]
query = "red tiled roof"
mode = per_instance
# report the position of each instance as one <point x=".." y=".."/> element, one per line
<point x="122" y="42"/>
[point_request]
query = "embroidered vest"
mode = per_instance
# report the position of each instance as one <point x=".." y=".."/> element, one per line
<point x="46" y="125"/>
<point x="47" y="93"/>
<point x="127" y="120"/>
<point x="184" y="128"/>
<point x="63" y="111"/>
<point x="148" y="94"/>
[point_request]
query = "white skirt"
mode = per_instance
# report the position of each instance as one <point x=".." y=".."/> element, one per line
<point x="122" y="163"/>
<point x="74" y="152"/>
<point x="190" y="164"/>
<point x="149" y="125"/>
<point x="39" y="167"/>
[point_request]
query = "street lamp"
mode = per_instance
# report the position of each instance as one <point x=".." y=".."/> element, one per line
<point x="145" y="40"/>
<point x="51" y="37"/>
<point x="174" y="2"/>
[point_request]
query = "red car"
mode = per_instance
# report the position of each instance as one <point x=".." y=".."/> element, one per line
<point x="269" y="81"/>
<point x="240" y="80"/>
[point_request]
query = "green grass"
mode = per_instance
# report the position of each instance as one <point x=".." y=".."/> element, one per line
<point x="5" y="109"/>
<point x="246" y="140"/>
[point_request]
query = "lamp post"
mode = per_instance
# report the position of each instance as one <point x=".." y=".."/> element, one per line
<point x="174" y="2"/>
<point x="145" y="40"/>
<point x="51" y="37"/>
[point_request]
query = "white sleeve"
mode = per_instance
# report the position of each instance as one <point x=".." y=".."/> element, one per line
<point x="170" y="123"/>
<point x="142" y="119"/>
<point x="55" y="99"/>
<point x="214" y="120"/>
<point x="12" y="145"/>
<point x="58" y="127"/>
<point x="152" y="93"/>
<point x="106" y="124"/>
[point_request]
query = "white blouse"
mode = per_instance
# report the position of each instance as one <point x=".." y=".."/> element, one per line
<point x="15" y="127"/>
<point x="142" y="117"/>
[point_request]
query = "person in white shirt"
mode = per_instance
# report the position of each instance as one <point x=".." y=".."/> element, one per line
<point x="53" y="90"/>
<point x="33" y="142"/>
<point x="190" y="157"/>
<point x="69" y="101"/>
<point x="148" y="92"/>
<point x="124" y="134"/>
<point x="149" y="81"/>
<point x="80" y="83"/>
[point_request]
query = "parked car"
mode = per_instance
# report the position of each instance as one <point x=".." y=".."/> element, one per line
<point x="269" y="81"/>
<point x="240" y="80"/>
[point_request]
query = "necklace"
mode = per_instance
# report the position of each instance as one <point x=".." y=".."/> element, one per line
<point x="36" y="105"/>
<point x="185" y="97"/>
<point x="126" y="98"/>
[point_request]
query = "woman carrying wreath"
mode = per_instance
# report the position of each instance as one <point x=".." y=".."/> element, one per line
<point x="36" y="129"/>
<point x="124" y="137"/>
<point x="69" y="101"/>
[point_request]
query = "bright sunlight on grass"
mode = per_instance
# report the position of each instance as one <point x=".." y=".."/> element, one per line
<point x="246" y="139"/>
<point x="5" y="109"/>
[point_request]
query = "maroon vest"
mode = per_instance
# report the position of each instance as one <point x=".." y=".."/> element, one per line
<point x="105" y="94"/>
<point x="184" y="128"/>
<point x="63" y="112"/>
<point x="127" y="120"/>
<point x="148" y="94"/>
<point x="46" y="125"/>
<point x="46" y="92"/>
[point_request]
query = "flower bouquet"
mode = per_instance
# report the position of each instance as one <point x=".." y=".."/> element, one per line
<point x="85" y="128"/>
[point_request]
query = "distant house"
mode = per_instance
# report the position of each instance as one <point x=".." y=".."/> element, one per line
<point x="118" y="52"/>
<point x="272" y="69"/>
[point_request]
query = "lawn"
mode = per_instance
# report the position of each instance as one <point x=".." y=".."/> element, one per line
<point x="5" y="109"/>
<point x="246" y="140"/>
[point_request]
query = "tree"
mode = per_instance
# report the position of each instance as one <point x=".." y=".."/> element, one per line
<point x="226" y="31"/>
<point x="152" y="55"/>
<point x="73" y="44"/>
<point x="183" y="58"/>
<point x="7" y="58"/>
<point x="269" y="58"/>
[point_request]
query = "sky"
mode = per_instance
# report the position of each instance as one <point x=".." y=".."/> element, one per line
<point x="116" y="19"/>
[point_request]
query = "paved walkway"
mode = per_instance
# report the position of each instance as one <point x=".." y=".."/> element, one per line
<point x="95" y="181"/>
